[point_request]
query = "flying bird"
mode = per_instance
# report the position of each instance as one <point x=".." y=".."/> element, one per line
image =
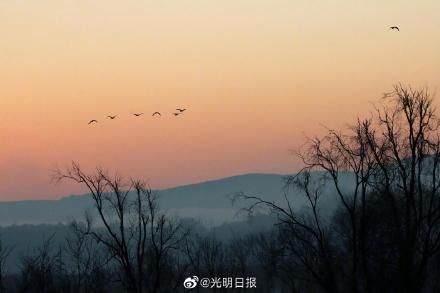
<point x="93" y="121"/>
<point x="112" y="117"/>
<point x="156" y="113"/>
<point x="176" y="114"/>
<point x="394" y="28"/>
<point x="138" y="114"/>
<point x="180" y="110"/>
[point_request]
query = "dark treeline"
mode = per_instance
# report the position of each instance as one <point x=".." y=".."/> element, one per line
<point x="384" y="235"/>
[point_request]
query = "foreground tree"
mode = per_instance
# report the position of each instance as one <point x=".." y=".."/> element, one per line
<point x="384" y="172"/>
<point x="130" y="227"/>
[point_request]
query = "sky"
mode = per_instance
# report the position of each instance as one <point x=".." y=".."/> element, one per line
<point x="257" y="77"/>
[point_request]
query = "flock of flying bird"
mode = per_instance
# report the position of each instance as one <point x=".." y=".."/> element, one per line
<point x="157" y="114"/>
<point x="181" y="110"/>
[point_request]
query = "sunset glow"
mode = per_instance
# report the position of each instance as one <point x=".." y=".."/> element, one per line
<point x="255" y="76"/>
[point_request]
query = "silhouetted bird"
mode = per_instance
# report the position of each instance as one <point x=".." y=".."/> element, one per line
<point x="394" y="28"/>
<point x="138" y="114"/>
<point x="156" y="113"/>
<point x="111" y="117"/>
<point x="180" y="110"/>
<point x="93" y="121"/>
<point x="175" y="114"/>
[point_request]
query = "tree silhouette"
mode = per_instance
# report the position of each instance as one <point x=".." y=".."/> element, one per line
<point x="5" y="251"/>
<point x="390" y="160"/>
<point x="135" y="233"/>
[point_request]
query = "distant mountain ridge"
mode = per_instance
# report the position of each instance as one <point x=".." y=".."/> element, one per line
<point x="209" y="202"/>
<point x="201" y="200"/>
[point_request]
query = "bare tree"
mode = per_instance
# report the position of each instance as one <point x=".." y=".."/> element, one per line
<point x="5" y="251"/>
<point x="391" y="159"/>
<point x="131" y="227"/>
<point x="43" y="270"/>
<point x="89" y="263"/>
<point x="268" y="256"/>
<point x="339" y="155"/>
<point x="406" y="148"/>
<point x="395" y="155"/>
<point x="240" y="252"/>
<point x="206" y="256"/>
<point x="306" y="240"/>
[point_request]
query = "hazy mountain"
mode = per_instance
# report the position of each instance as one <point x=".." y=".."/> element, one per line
<point x="201" y="206"/>
<point x="209" y="202"/>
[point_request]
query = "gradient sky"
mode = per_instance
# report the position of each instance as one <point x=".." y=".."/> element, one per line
<point x="255" y="75"/>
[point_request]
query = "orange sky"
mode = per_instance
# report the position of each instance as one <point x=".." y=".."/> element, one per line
<point x="255" y="75"/>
